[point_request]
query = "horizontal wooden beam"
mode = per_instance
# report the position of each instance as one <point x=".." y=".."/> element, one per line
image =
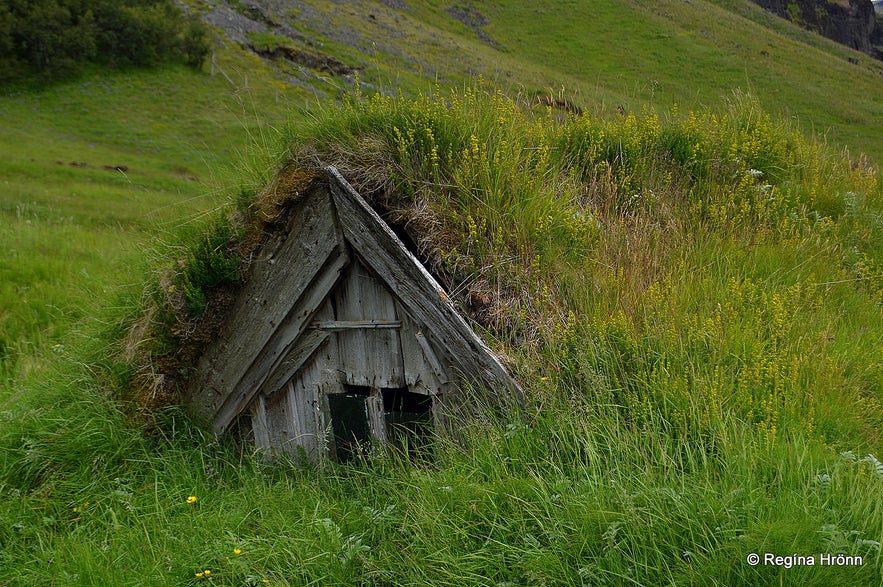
<point x="355" y="324"/>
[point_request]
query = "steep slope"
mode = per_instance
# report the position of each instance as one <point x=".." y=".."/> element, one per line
<point x="595" y="55"/>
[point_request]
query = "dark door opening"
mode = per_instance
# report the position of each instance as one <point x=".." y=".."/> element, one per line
<point x="394" y="416"/>
<point x="350" y="424"/>
<point x="408" y="419"/>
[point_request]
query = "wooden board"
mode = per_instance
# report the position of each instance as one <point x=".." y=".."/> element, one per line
<point x="331" y="377"/>
<point x="424" y="372"/>
<point x="277" y="282"/>
<point x="300" y="353"/>
<point x="279" y="344"/>
<point x="368" y="357"/>
<point x="423" y="298"/>
<point x="303" y="396"/>
<point x="332" y="325"/>
<point x="259" y="425"/>
<point x="280" y="430"/>
<point x="375" y="418"/>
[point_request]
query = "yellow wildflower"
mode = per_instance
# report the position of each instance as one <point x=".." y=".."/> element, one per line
<point x="191" y="499"/>
<point x="237" y="551"/>
<point x="199" y="575"/>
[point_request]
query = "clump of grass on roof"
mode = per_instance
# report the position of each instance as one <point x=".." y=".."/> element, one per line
<point x="673" y="265"/>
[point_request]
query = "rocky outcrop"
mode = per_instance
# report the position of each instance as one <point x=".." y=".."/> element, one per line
<point x="853" y="23"/>
<point x="310" y="59"/>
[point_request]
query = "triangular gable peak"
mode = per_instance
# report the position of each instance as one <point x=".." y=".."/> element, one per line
<point x="338" y="318"/>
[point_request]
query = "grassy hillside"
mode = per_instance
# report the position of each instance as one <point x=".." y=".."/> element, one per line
<point x="690" y="292"/>
<point x="93" y="170"/>
<point x="595" y="56"/>
<point x="692" y="304"/>
<point x="604" y="54"/>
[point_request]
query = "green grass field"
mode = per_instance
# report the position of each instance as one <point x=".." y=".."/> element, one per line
<point x="690" y="293"/>
<point x="94" y="170"/>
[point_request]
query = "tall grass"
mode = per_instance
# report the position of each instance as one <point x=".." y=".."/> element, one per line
<point x="696" y="254"/>
<point x="692" y="301"/>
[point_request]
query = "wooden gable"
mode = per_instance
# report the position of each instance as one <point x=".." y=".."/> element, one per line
<point x="338" y="317"/>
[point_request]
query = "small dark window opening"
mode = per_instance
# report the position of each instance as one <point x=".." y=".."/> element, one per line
<point x="408" y="418"/>
<point x="406" y="421"/>
<point x="349" y="423"/>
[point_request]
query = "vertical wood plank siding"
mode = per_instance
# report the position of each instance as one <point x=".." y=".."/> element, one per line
<point x="368" y="357"/>
<point x="303" y="395"/>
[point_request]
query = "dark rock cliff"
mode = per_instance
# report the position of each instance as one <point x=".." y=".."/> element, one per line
<point x="853" y="23"/>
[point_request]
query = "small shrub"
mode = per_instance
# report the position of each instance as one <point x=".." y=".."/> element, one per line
<point x="211" y="263"/>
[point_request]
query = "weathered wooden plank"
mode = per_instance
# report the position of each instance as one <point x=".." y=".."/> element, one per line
<point x="412" y="356"/>
<point x="259" y="424"/>
<point x="424" y="372"/>
<point x="328" y="356"/>
<point x="317" y="377"/>
<point x="423" y="298"/>
<point x="368" y="357"/>
<point x="430" y="356"/>
<point x="280" y="342"/>
<point x="293" y="360"/>
<point x="276" y="283"/>
<point x="376" y="420"/>
<point x="280" y="427"/>
<point x="355" y="324"/>
<point x="304" y="400"/>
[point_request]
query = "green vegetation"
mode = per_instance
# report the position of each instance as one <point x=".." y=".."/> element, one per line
<point x="265" y="42"/>
<point x="692" y="301"/>
<point x="632" y="53"/>
<point x="73" y="224"/>
<point x="691" y="295"/>
<point x="56" y="37"/>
